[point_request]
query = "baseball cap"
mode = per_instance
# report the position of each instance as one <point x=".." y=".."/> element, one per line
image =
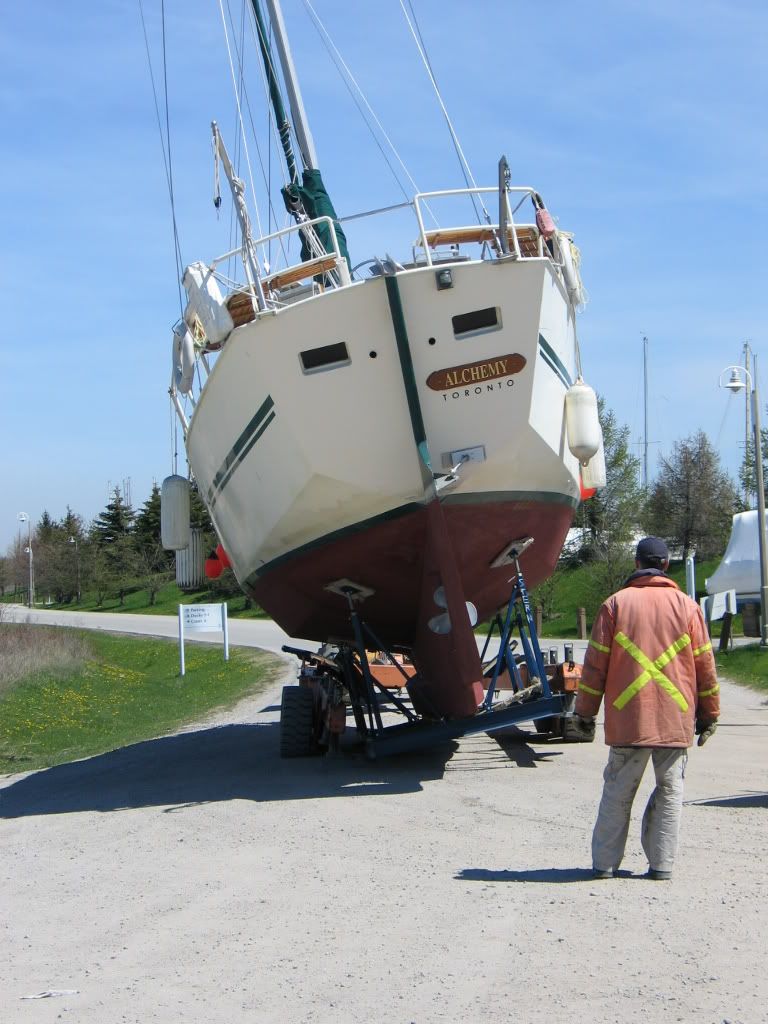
<point x="652" y="547"/>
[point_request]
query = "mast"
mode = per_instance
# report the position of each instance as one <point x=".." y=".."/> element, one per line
<point x="283" y="124"/>
<point x="298" y="113"/>
<point x="305" y="199"/>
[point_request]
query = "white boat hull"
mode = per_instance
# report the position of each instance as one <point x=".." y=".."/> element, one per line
<point x="289" y="459"/>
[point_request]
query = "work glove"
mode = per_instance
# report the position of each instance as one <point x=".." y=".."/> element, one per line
<point x="705" y="729"/>
<point x="583" y="727"/>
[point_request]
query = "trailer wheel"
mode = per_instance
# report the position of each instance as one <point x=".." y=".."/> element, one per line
<point x="297" y="726"/>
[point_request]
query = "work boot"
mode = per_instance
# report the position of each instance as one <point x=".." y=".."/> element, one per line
<point x="600" y="873"/>
<point x="659" y="876"/>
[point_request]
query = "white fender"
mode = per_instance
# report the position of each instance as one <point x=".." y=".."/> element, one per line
<point x="183" y="358"/>
<point x="174" y="513"/>
<point x="571" y="276"/>
<point x="594" y="473"/>
<point x="582" y="421"/>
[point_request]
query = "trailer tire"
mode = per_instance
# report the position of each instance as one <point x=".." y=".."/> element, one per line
<point x="297" y="722"/>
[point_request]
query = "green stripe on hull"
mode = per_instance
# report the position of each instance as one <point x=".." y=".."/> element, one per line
<point x="242" y="446"/>
<point x="553" y="361"/>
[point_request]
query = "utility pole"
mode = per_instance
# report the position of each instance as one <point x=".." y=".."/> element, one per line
<point x="645" y="408"/>
<point x="23" y="517"/>
<point x="747" y="493"/>
<point x="762" y="540"/>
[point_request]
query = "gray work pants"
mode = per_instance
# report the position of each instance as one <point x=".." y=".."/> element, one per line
<point x="661" y="820"/>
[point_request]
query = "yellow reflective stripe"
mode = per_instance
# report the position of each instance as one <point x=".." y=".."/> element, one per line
<point x="600" y="647"/>
<point x="588" y="689"/>
<point x="670" y="688"/>
<point x="652" y="670"/>
<point x="672" y="650"/>
<point x="631" y="690"/>
<point x="709" y="693"/>
<point x="700" y="650"/>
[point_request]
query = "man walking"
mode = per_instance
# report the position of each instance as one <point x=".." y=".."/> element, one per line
<point x="651" y="658"/>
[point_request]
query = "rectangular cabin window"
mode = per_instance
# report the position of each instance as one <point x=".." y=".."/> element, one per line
<point x="479" y="321"/>
<point x="327" y="357"/>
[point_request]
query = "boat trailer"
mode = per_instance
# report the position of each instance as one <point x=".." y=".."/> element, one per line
<point x="342" y="676"/>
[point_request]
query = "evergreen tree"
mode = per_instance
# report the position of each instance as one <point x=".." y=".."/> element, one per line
<point x="112" y="534"/>
<point x="147" y="526"/>
<point x="693" y="500"/>
<point x="72" y="525"/>
<point x="198" y="513"/>
<point x="45" y="529"/>
<point x="114" y="522"/>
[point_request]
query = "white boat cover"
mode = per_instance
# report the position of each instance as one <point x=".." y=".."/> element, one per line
<point x="740" y="567"/>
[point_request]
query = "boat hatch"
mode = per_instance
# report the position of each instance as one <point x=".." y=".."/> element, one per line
<point x="326" y="357"/>
<point x="479" y="321"/>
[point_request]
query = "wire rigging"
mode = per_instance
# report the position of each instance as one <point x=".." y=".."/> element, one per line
<point x="466" y="171"/>
<point x="354" y="90"/>
<point x="165" y="141"/>
<point x="240" y="116"/>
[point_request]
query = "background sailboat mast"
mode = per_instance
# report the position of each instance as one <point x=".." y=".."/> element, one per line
<point x="298" y="113"/>
<point x="645" y="413"/>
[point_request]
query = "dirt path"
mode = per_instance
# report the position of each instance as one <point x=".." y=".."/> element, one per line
<point x="198" y="878"/>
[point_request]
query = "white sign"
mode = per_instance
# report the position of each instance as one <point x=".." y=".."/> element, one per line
<point x="202" y="618"/>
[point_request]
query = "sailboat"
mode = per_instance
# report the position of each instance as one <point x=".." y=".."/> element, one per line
<point x="386" y="448"/>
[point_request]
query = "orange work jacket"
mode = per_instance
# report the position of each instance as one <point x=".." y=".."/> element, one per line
<point x="650" y="657"/>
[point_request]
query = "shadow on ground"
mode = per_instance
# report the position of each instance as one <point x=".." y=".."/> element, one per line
<point x="551" y="875"/>
<point x="230" y="762"/>
<point x="242" y="762"/>
<point x="747" y="800"/>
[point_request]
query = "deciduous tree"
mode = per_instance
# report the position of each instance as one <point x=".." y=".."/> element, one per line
<point x="693" y="499"/>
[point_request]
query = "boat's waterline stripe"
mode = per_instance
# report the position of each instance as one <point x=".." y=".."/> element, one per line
<point x="553" y="361"/>
<point x="245" y="442"/>
<point x="516" y="497"/>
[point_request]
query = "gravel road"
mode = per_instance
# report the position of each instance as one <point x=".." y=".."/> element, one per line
<point x="198" y="878"/>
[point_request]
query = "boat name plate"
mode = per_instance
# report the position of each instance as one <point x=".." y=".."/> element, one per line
<point x="474" y="373"/>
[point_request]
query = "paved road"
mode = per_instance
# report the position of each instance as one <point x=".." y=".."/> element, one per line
<point x="243" y="632"/>
<point x="199" y="878"/>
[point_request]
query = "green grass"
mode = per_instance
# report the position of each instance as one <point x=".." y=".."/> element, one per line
<point x="746" y="665"/>
<point x="124" y="690"/>
<point x="574" y="589"/>
<point x="167" y="601"/>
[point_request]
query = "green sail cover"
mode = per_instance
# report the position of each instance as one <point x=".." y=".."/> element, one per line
<point x="317" y="203"/>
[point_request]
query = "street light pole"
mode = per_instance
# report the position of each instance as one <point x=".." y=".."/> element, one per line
<point x="23" y="517"/>
<point x="760" y="511"/>
<point x="736" y="384"/>
<point x="73" y="540"/>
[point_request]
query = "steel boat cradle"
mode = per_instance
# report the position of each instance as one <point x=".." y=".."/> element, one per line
<point x="342" y="678"/>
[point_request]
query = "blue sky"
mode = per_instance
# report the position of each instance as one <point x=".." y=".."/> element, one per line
<point x="642" y="124"/>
